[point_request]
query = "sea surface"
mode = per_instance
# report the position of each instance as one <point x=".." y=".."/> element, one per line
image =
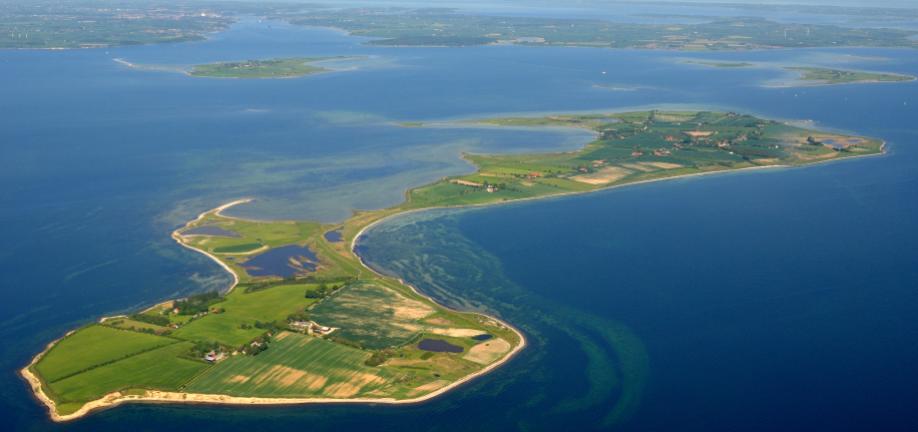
<point x="770" y="300"/>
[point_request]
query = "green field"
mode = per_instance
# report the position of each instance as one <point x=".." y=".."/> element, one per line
<point x="162" y="369"/>
<point x="129" y="324"/>
<point x="244" y="308"/>
<point x="295" y="365"/>
<point x="92" y="346"/>
<point x="272" y="68"/>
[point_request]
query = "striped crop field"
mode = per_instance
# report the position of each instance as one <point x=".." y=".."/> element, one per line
<point x="93" y="346"/>
<point x="294" y="365"/>
<point x="161" y="368"/>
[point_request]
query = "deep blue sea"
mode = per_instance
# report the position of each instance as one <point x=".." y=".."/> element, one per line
<point x="770" y="300"/>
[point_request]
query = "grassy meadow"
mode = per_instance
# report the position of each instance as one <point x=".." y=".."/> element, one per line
<point x="244" y="308"/>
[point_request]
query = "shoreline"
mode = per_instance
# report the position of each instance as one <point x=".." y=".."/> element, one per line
<point x="154" y="396"/>
<point x="217" y="211"/>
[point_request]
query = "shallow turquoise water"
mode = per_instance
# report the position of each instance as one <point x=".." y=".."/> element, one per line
<point x="705" y="303"/>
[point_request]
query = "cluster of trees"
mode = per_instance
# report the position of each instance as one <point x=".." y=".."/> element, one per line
<point x="299" y="316"/>
<point x="378" y="358"/>
<point x="257" y="346"/>
<point x="151" y="319"/>
<point x="200" y="348"/>
<point x="119" y="325"/>
<point x="321" y="291"/>
<point x="197" y="303"/>
<point x="270" y="326"/>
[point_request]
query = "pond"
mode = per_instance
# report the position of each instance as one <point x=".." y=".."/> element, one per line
<point x="334" y="236"/>
<point x="284" y="261"/>
<point x="438" y="345"/>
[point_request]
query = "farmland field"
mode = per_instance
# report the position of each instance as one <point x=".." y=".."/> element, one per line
<point x="241" y="308"/>
<point x="92" y="346"/>
<point x="295" y="365"/>
<point x="161" y="368"/>
<point x="372" y="316"/>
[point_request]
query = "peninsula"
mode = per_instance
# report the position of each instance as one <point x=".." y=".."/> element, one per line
<point x="306" y="321"/>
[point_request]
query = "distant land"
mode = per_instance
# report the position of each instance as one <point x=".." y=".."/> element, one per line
<point x="307" y="321"/>
<point x="445" y="27"/>
<point x="43" y="24"/>
<point x="49" y="25"/>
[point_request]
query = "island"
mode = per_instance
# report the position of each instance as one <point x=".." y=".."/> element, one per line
<point x="826" y="76"/>
<point x="307" y="321"/>
<point x="292" y="67"/>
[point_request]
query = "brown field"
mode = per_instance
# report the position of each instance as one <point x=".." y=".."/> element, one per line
<point x="642" y="167"/>
<point x="431" y="386"/>
<point x="487" y="352"/>
<point x="663" y="165"/>
<point x="438" y="321"/>
<point x="604" y="176"/>
<point x="698" y="134"/>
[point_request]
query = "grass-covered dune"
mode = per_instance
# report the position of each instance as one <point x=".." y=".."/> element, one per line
<point x="307" y="321"/>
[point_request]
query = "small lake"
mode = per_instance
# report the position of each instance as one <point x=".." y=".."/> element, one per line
<point x="284" y="261"/>
<point x="334" y="236"/>
<point x="438" y="345"/>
